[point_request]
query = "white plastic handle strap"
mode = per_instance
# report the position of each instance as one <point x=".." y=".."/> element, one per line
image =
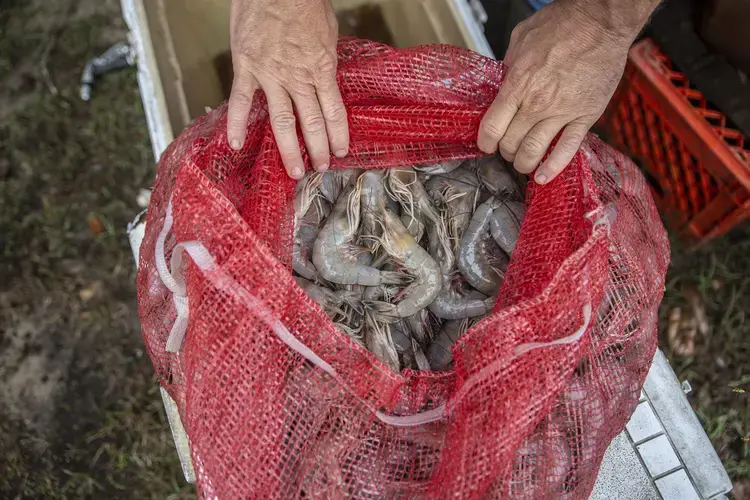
<point x="174" y="281"/>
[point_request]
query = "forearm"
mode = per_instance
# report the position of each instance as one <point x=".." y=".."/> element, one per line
<point x="623" y="18"/>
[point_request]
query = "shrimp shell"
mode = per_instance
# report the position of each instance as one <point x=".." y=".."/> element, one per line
<point x="405" y="187"/>
<point x="440" y="351"/>
<point x="335" y="181"/>
<point x="306" y="191"/>
<point x="505" y="225"/>
<point x="458" y="192"/>
<point x="474" y="256"/>
<point x="331" y="301"/>
<point x="372" y="196"/>
<point x="379" y="342"/>
<point x="495" y="176"/>
<point x="439" y="168"/>
<point x="451" y="305"/>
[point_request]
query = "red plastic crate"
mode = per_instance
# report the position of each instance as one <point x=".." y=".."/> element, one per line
<point x="698" y="168"/>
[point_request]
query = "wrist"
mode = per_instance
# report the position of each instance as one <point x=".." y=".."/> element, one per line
<point x="618" y="18"/>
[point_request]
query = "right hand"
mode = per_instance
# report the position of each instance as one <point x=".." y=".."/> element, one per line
<point x="287" y="48"/>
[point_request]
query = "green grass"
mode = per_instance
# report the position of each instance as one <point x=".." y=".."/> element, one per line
<point x="100" y="431"/>
<point x="719" y="371"/>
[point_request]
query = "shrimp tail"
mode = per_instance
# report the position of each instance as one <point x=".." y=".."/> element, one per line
<point x="380" y="343"/>
<point x="381" y="312"/>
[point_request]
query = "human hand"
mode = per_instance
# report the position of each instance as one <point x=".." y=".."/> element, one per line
<point x="287" y="48"/>
<point x="564" y="65"/>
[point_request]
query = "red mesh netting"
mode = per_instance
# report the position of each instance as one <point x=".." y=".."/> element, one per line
<point x="523" y="417"/>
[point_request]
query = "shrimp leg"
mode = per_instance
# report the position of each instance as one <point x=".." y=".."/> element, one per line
<point x="331" y="301"/>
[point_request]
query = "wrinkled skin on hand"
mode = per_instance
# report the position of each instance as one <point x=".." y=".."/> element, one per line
<point x="564" y="65"/>
<point x="287" y="48"/>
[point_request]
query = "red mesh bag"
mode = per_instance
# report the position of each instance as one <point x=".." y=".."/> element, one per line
<point x="278" y="403"/>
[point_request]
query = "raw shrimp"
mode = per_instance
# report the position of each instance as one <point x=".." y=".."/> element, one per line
<point x="458" y="193"/>
<point x="440" y="351"/>
<point x="379" y="342"/>
<point x="407" y="345"/>
<point x="475" y="254"/>
<point x="439" y="168"/>
<point x="335" y="181"/>
<point x="505" y="225"/>
<point x="419" y="326"/>
<point x="398" y="243"/>
<point x="451" y="305"/>
<point x="331" y="301"/>
<point x="307" y="229"/>
<point x="495" y="176"/>
<point x="417" y="211"/>
<point x="335" y="255"/>
<point x="400" y="336"/>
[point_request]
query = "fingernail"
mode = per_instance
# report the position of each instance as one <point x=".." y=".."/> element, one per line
<point x="297" y="173"/>
<point x="540" y="178"/>
<point x="340" y="153"/>
<point x="321" y="168"/>
<point x="235" y="144"/>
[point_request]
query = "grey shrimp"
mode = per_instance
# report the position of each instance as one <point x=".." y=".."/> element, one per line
<point x="475" y="254"/>
<point x="440" y="351"/>
<point x="335" y="255"/>
<point x="306" y="192"/>
<point x="405" y="186"/>
<point x="398" y="243"/>
<point x="439" y="168"/>
<point x="505" y="225"/>
<point x="495" y="176"/>
<point x="331" y="301"/>
<point x="451" y="305"/>
<point x="307" y="229"/>
<point x="371" y="191"/>
<point x="335" y="181"/>
<point x="378" y="340"/>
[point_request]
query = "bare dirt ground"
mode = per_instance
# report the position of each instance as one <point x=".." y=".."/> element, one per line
<point x="80" y="414"/>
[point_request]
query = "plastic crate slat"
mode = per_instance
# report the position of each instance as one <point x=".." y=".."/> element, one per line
<point x="696" y="164"/>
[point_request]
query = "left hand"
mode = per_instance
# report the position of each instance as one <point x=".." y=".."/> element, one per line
<point x="564" y="67"/>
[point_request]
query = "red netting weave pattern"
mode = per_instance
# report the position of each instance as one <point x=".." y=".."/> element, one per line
<point x="521" y="420"/>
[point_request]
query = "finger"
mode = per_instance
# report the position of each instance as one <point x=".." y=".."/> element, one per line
<point x="563" y="152"/>
<point x="497" y="118"/>
<point x="535" y="144"/>
<point x="334" y="113"/>
<point x="313" y="127"/>
<point x="284" y="129"/>
<point x="518" y="128"/>
<point x="244" y="86"/>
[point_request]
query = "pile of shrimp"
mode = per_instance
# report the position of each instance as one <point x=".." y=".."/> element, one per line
<point x="405" y="260"/>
